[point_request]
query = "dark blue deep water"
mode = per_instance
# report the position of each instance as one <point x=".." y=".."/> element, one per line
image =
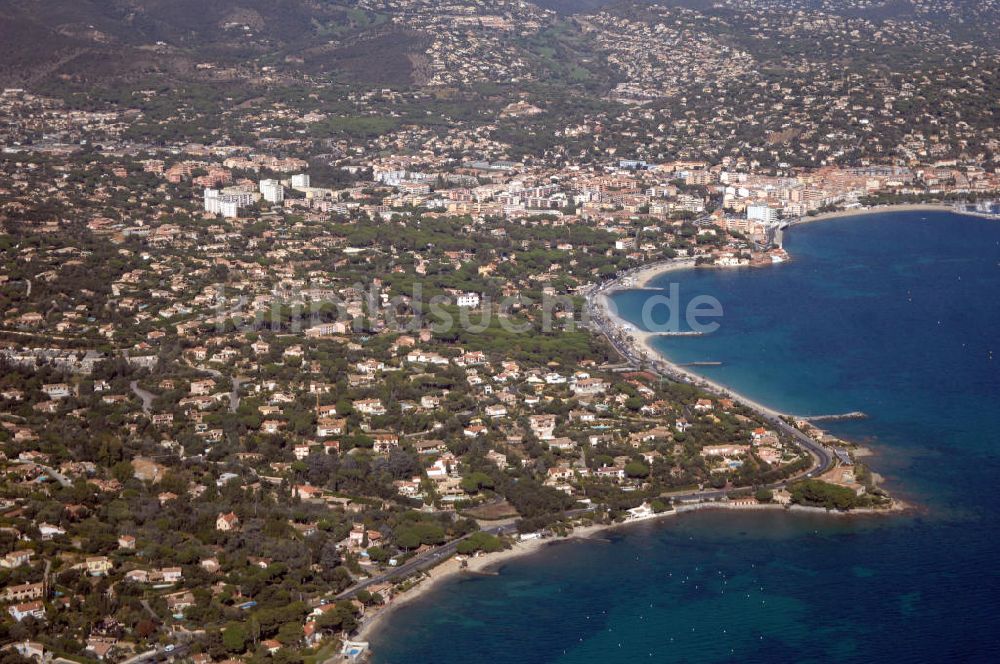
<point x="896" y="315"/>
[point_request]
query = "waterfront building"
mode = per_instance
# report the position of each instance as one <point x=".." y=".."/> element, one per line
<point x="762" y="212"/>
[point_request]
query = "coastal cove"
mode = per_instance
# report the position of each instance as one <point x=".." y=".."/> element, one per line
<point x="893" y="314"/>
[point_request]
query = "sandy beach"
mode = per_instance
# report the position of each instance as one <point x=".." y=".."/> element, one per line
<point x="641" y="276"/>
<point x="644" y="275"/>
<point x="485" y="564"/>
<point x="448" y="569"/>
<point x="478" y="565"/>
<point x="879" y="209"/>
<point x="641" y="342"/>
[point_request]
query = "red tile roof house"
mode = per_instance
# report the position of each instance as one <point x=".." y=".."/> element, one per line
<point x="23" y="592"/>
<point x="35" y="609"/>
<point x="227" y="522"/>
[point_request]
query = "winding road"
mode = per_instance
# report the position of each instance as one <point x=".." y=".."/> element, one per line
<point x="146" y="396"/>
<point x="234" y="394"/>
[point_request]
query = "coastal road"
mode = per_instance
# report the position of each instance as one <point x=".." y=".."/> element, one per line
<point x="418" y="563"/>
<point x="435" y="556"/>
<point x="822" y="458"/>
<point x="438" y="555"/>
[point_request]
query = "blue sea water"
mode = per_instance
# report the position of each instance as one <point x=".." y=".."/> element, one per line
<point x="897" y="315"/>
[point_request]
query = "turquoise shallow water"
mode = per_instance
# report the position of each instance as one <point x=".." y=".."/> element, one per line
<point x="893" y="314"/>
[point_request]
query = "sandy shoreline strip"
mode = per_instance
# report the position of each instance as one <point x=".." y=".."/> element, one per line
<point x="485" y="564"/>
<point x="641" y="277"/>
<point x="446" y="570"/>
<point x="882" y="209"/>
<point x="642" y="342"/>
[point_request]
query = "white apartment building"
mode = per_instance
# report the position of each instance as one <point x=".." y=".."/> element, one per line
<point x="762" y="212"/>
<point x="272" y="191"/>
<point x="227" y="202"/>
